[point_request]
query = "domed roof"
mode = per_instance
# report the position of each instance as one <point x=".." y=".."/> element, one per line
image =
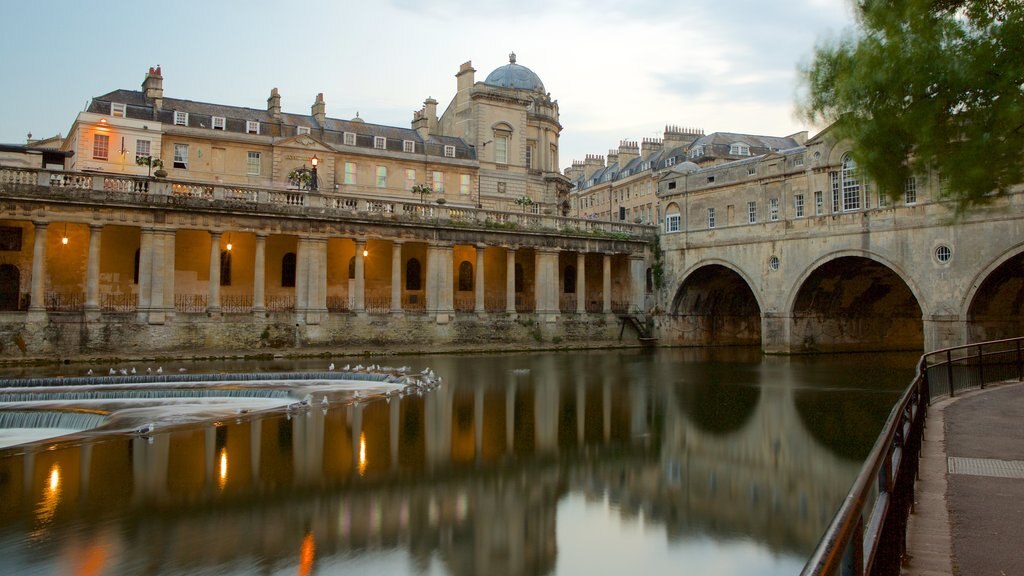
<point x="685" y="167"/>
<point x="513" y="75"/>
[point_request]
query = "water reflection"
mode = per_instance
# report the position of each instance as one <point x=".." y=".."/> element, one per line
<point x="519" y="464"/>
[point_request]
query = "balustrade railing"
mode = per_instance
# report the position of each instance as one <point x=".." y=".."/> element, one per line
<point x="64" y="301"/>
<point x="567" y="303"/>
<point x="465" y="302"/>
<point x="236" y="303"/>
<point x="280" y="303"/>
<point x="190" y="303"/>
<point x="868" y="533"/>
<point x="338" y="304"/>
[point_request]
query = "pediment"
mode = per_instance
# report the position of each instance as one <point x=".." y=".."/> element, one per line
<point x="304" y="142"/>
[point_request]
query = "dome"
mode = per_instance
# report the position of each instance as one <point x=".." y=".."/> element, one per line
<point x="513" y="75"/>
<point x="685" y="167"/>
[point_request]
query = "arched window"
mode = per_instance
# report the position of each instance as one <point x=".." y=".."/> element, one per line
<point x="225" y="268"/>
<point x="352" y="268"/>
<point x="519" y="277"/>
<point x="288" y="270"/>
<point x="135" y="272"/>
<point x="569" y="280"/>
<point x="846" y="186"/>
<point x="412" y="274"/>
<point x="465" y="276"/>
<point x="10" y="286"/>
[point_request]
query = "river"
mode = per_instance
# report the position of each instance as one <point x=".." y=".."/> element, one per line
<point x="593" y="462"/>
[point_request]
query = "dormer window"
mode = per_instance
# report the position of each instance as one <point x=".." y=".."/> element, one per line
<point x="252" y="127"/>
<point x="696" y="152"/>
<point x="180" y="118"/>
<point x="739" y="149"/>
<point x="302" y="130"/>
<point x="449" y="151"/>
<point x="380" y="142"/>
<point x="408" y="146"/>
<point x="118" y="109"/>
<point x="349" y="138"/>
<point x="218" y="123"/>
<point x="671" y="161"/>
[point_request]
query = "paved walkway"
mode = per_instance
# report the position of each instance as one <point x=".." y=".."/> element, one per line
<point x="968" y="513"/>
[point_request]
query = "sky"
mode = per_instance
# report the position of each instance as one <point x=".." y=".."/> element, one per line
<point x="619" y="71"/>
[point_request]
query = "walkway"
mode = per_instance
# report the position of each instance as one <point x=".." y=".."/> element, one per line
<point x="970" y="494"/>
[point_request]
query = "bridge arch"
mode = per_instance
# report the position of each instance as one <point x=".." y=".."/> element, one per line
<point x="994" y="305"/>
<point x="855" y="300"/>
<point x="715" y="305"/>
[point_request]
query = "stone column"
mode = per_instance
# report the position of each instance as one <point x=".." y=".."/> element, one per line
<point x="479" y="287"/>
<point x="145" y="274"/>
<point x="37" y="305"/>
<point x="156" y="277"/>
<point x="607" y="284"/>
<point x="259" y="286"/>
<point x="581" y="283"/>
<point x="546" y="285"/>
<point x="440" y="289"/>
<point x="301" y="278"/>
<point x="359" y="300"/>
<point x="92" y="274"/>
<point x="316" y="274"/>
<point x="637" y="283"/>
<point x="213" y="298"/>
<point x="166" y="268"/>
<point x="510" y="281"/>
<point x="396" y="278"/>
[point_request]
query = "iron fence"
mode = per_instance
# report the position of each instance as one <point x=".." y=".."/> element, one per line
<point x="868" y="533"/>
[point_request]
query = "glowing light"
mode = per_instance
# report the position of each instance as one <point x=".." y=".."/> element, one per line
<point x="54" y="478"/>
<point x="307" y="554"/>
<point x="222" y="478"/>
<point x="64" y="239"/>
<point x="314" y="161"/>
<point x="229" y="242"/>
<point x="365" y="252"/>
<point x="362" y="454"/>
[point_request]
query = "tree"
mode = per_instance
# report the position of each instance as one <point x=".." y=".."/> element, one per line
<point x="928" y="85"/>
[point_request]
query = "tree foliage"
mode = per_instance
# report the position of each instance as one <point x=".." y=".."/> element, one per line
<point x="928" y="85"/>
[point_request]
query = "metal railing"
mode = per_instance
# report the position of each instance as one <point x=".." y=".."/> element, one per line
<point x="868" y="533"/>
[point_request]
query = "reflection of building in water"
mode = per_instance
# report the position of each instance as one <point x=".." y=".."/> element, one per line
<point x="468" y="475"/>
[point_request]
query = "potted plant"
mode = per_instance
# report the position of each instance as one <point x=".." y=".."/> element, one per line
<point x="423" y="190"/>
<point x="524" y="202"/>
<point x="301" y="178"/>
<point x="156" y="165"/>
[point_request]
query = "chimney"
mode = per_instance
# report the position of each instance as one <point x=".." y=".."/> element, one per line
<point x="613" y="157"/>
<point x="424" y="122"/>
<point x="592" y="164"/>
<point x="676" y="136"/>
<point x="274" y="104"/>
<point x="153" y="88"/>
<point x="650" y="146"/>
<point x="319" y="110"/>
<point x="465" y="76"/>
<point x="628" y="151"/>
<point x="576" y="171"/>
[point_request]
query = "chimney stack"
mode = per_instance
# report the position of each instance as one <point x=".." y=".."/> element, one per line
<point x="424" y="122"/>
<point x="274" y="104"/>
<point x="153" y="88"/>
<point x="628" y="151"/>
<point x="319" y="110"/>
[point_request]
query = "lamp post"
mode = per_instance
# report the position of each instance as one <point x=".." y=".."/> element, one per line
<point x="313" y="184"/>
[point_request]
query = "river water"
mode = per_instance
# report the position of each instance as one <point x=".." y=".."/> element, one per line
<point x="598" y="462"/>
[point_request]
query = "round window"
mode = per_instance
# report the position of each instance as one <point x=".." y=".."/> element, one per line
<point x="943" y="253"/>
<point x="773" y="263"/>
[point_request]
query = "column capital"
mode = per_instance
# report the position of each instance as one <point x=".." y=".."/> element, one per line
<point x="95" y="226"/>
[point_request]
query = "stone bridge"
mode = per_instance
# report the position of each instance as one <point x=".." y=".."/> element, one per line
<point x="828" y="265"/>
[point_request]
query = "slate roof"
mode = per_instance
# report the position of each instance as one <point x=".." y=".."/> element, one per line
<point x="200" y="115"/>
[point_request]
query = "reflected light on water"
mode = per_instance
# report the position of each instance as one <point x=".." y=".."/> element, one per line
<point x="362" y="454"/>
<point x="47" y="507"/>
<point x="222" y="478"/>
<point x="307" y="554"/>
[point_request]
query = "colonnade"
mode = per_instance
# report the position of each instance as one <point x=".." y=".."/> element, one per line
<point x="160" y="247"/>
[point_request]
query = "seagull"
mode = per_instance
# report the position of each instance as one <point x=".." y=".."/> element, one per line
<point x="358" y="367"/>
<point x="160" y="370"/>
<point x="425" y="371"/>
<point x="149" y="370"/>
<point x="357" y="394"/>
<point x="89" y="373"/>
<point x="112" y="371"/>
<point x="182" y="369"/>
<point x="133" y="369"/>
<point x="347" y="367"/>
<point x="124" y="371"/>
<point x="146" y="430"/>
<point x="307" y="400"/>
<point x="325" y="402"/>
<point x="330" y="368"/>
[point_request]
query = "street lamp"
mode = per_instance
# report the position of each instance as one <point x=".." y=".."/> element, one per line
<point x="313" y="184"/>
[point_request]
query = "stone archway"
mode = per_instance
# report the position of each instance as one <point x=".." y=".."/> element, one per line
<point x="996" y="309"/>
<point x="715" y="306"/>
<point x="853" y="303"/>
